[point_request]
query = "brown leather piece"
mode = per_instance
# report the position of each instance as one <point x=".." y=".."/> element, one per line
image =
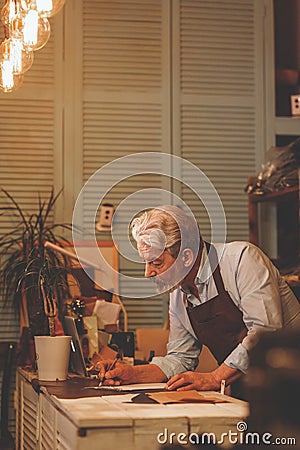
<point x="71" y="388"/>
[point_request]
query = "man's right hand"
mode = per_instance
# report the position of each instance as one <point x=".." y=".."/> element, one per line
<point x="121" y="374"/>
<point x="126" y="374"/>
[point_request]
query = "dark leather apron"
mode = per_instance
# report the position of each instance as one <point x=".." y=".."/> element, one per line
<point x="218" y="323"/>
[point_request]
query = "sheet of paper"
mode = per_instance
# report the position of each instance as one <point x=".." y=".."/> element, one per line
<point x="132" y="387"/>
<point x="106" y="312"/>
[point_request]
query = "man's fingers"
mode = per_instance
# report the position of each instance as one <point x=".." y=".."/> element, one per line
<point x="112" y="382"/>
<point x="175" y="384"/>
<point x="177" y="380"/>
<point x="173" y="380"/>
<point x="103" y="366"/>
<point x="186" y="387"/>
<point x="114" y="373"/>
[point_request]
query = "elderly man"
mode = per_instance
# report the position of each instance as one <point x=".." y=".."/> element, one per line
<point x="222" y="296"/>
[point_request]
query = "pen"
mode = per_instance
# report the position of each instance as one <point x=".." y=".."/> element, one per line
<point x="118" y="356"/>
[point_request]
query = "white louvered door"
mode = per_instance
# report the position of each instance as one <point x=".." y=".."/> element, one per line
<point x="126" y="110"/>
<point x="126" y="96"/>
<point x="218" y="107"/>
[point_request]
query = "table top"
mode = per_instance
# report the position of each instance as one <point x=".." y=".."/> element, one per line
<point x="90" y="408"/>
<point x="119" y="410"/>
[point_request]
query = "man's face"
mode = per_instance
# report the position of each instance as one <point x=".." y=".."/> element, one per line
<point x="164" y="270"/>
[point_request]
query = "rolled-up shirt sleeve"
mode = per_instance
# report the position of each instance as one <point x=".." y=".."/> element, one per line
<point x="259" y="300"/>
<point x="183" y="348"/>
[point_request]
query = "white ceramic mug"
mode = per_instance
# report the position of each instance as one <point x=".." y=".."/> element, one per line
<point x="52" y="357"/>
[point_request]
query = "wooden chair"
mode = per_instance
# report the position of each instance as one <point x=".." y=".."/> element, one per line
<point x="151" y="339"/>
<point x="7" y="353"/>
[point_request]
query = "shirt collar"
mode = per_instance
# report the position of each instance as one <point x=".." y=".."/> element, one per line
<point x="204" y="271"/>
<point x="203" y="275"/>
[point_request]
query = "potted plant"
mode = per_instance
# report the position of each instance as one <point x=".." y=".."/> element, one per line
<point x="33" y="275"/>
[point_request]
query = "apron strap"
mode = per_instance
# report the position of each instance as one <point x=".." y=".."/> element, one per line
<point x="214" y="263"/>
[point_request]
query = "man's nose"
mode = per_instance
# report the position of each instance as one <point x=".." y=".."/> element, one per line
<point x="149" y="272"/>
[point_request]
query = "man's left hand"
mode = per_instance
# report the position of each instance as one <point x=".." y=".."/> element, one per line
<point x="193" y="380"/>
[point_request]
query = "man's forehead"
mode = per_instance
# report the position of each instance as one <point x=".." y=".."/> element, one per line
<point x="148" y="252"/>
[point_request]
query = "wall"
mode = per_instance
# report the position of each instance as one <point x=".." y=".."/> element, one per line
<point x="120" y="77"/>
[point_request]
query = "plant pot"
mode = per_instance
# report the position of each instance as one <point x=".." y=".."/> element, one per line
<point x="52" y="357"/>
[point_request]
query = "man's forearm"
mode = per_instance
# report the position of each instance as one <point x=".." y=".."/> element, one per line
<point x="124" y="374"/>
<point x="148" y="373"/>
<point x="224" y="372"/>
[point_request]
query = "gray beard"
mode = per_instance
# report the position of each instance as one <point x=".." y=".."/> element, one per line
<point x="164" y="287"/>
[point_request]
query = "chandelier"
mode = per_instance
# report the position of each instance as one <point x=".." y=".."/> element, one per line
<point x="26" y="29"/>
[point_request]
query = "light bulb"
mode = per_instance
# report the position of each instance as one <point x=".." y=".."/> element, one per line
<point x="48" y="8"/>
<point x="9" y="11"/>
<point x="36" y="29"/>
<point x="7" y="75"/>
<point x="9" y="81"/>
<point x="25" y="4"/>
<point x="30" y="28"/>
<point x="21" y="58"/>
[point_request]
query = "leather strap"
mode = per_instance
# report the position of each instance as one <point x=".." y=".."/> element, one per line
<point x="214" y="265"/>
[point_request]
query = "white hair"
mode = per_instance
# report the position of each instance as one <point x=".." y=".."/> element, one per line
<point x="166" y="228"/>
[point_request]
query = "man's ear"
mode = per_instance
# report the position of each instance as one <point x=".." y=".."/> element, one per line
<point x="187" y="257"/>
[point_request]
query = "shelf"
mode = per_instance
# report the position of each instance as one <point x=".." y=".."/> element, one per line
<point x="287" y="126"/>
<point x="287" y="223"/>
<point x="282" y="195"/>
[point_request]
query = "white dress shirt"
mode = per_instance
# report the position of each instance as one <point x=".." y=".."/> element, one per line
<point x="255" y="286"/>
